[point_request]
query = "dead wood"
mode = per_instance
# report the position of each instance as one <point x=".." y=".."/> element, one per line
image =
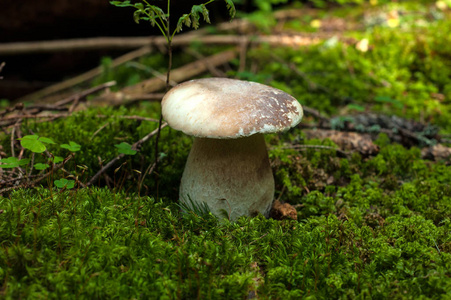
<point x="58" y="87"/>
<point x="212" y="69"/>
<point x="126" y="43"/>
<point x="68" y="104"/>
<point x="128" y="94"/>
<point x="2" y="65"/>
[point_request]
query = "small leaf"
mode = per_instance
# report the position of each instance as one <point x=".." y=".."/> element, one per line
<point x="139" y="6"/>
<point x="125" y="148"/>
<point x="387" y="99"/>
<point x="32" y="143"/>
<point x="72" y="146"/>
<point x="356" y="107"/>
<point x="231" y="8"/>
<point x="57" y="159"/>
<point x="159" y="12"/>
<point x="46" y="140"/>
<point x="136" y="16"/>
<point x="40" y="166"/>
<point x="205" y="13"/>
<point x="121" y="3"/>
<point x="63" y="182"/>
<point x="152" y="18"/>
<point x="196" y="10"/>
<point x="184" y="20"/>
<point x="13" y="162"/>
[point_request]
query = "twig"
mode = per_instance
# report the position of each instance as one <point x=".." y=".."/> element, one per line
<point x="135" y="146"/>
<point x="12" y="140"/>
<point x="302" y="147"/>
<point x="258" y="238"/>
<point x="26" y="184"/>
<point x="212" y="69"/>
<point x="315" y="113"/>
<point x="1" y="68"/>
<point x="122" y="117"/>
<point x="243" y="54"/>
<point x="149" y="70"/>
<point x="29" y="116"/>
<point x="18" y="106"/>
<point x="32" y="111"/>
<point x="139" y="118"/>
<point x="98" y="130"/>
<point x="148" y="171"/>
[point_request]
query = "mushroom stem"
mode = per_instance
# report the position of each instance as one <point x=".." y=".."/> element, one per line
<point x="233" y="175"/>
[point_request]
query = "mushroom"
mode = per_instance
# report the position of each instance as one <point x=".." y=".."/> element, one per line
<point x="228" y="166"/>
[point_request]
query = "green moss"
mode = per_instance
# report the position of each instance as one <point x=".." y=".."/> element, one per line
<point x="97" y="130"/>
<point x="379" y="230"/>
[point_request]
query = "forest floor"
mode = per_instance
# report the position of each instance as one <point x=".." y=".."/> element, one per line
<point x="363" y="184"/>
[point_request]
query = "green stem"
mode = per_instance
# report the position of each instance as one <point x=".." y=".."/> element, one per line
<point x="160" y="121"/>
<point x="161" y="26"/>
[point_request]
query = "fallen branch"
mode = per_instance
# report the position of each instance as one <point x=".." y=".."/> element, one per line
<point x="125" y="43"/>
<point x="139" y="118"/>
<point x="58" y="87"/>
<point x="183" y="73"/>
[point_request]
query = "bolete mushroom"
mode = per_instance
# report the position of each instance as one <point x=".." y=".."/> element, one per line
<point x="228" y="166"/>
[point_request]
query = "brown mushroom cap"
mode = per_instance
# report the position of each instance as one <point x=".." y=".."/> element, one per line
<point x="228" y="108"/>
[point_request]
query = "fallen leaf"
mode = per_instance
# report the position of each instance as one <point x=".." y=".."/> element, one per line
<point x="281" y="211"/>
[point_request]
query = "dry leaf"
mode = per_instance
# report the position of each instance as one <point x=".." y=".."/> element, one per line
<point x="281" y="211"/>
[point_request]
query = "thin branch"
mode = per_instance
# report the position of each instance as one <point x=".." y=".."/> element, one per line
<point x="39" y="179"/>
<point x="139" y="118"/>
<point x="34" y="110"/>
<point x="321" y="147"/>
<point x="135" y="146"/>
<point x="2" y="65"/>
<point x="149" y="70"/>
<point x="211" y="68"/>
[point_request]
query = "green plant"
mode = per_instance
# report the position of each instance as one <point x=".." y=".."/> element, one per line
<point x="36" y="145"/>
<point x="156" y="16"/>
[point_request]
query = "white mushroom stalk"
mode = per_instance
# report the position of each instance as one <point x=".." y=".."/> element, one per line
<point x="228" y="166"/>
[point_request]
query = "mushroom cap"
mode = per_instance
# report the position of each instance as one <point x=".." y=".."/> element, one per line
<point x="225" y="108"/>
